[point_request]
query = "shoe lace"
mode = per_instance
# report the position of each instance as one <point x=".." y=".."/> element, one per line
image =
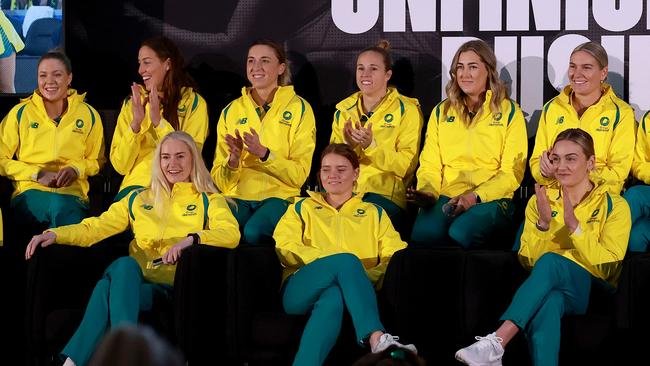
<point x="491" y="340"/>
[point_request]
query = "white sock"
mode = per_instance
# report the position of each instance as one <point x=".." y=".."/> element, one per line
<point x="69" y="362"/>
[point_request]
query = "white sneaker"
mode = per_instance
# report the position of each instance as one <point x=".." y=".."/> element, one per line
<point x="386" y="340"/>
<point x="487" y="351"/>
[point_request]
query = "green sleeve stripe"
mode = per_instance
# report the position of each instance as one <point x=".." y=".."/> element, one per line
<point x="206" y="204"/>
<point x="617" y="119"/>
<point x="196" y="102"/>
<point x="512" y="112"/>
<point x="20" y="113"/>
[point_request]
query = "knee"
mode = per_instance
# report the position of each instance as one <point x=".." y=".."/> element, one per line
<point x="427" y="230"/>
<point x="548" y="261"/>
<point x="124" y="266"/>
<point x="254" y="234"/>
<point x="461" y="234"/>
<point x="346" y="261"/>
<point x="638" y="240"/>
<point x="635" y="193"/>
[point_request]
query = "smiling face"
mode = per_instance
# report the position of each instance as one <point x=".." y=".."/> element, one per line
<point x="585" y="74"/>
<point x="571" y="165"/>
<point x="372" y="76"/>
<point x="152" y="68"/>
<point x="471" y="73"/>
<point x="263" y="67"/>
<point x="176" y="161"/>
<point x="337" y="174"/>
<point x="53" y="80"/>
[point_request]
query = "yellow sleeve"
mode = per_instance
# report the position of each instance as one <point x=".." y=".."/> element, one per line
<point x="641" y="163"/>
<point x="621" y="151"/>
<point x="95" y="229"/>
<point x="389" y="242"/>
<point x="337" y="129"/>
<point x="533" y="241"/>
<point x="9" y="141"/>
<point x="604" y="250"/>
<point x="513" y="161"/>
<point x="125" y="146"/>
<point x="223" y="229"/>
<point x="429" y="173"/>
<point x="196" y="124"/>
<point x="224" y="177"/>
<point x="542" y="143"/>
<point x="294" y="169"/>
<point x="94" y="155"/>
<point x="289" y="245"/>
<point x="400" y="158"/>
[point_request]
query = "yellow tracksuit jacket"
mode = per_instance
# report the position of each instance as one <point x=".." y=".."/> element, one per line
<point x="641" y="163"/>
<point x="11" y="33"/>
<point x="132" y="153"/>
<point x="488" y="157"/>
<point x="287" y="129"/>
<point x="600" y="245"/>
<point x="610" y="122"/>
<point x="187" y="211"/>
<point x="38" y="143"/>
<point x="388" y="164"/>
<point x="312" y="229"/>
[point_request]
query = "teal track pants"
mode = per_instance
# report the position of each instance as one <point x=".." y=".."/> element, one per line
<point x="323" y="288"/>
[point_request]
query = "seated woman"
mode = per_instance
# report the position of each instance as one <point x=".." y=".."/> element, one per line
<point x="164" y="102"/>
<point x="638" y="197"/>
<point x="334" y="248"/>
<point x="588" y="103"/>
<point x="181" y="208"/>
<point x="474" y="155"/>
<point x="383" y="127"/>
<point x="265" y="143"/>
<point x="575" y="233"/>
<point x="51" y="143"/>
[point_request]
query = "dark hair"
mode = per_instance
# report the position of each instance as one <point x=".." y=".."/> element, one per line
<point x="175" y="79"/>
<point x="382" y="48"/>
<point x="343" y="150"/>
<point x="580" y="137"/>
<point x="281" y="54"/>
<point x="57" y="55"/>
<point x="391" y="356"/>
<point x="131" y="345"/>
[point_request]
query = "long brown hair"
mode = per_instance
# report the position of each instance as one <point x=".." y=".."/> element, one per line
<point x="175" y="79"/>
<point x="455" y="93"/>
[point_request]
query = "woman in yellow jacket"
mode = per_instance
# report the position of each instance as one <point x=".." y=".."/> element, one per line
<point x="383" y="127"/>
<point x="334" y="248"/>
<point x="52" y="142"/>
<point x="638" y="197"/>
<point x="181" y="208"/>
<point x="163" y="103"/>
<point x="588" y="103"/>
<point x="265" y="143"/>
<point x="474" y="155"/>
<point x="575" y="232"/>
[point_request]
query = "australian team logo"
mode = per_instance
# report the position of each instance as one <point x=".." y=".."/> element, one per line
<point x="79" y="125"/>
<point x="451" y="119"/>
<point x="286" y="118"/>
<point x="190" y="210"/>
<point x="34" y="125"/>
<point x="360" y="213"/>
<point x="604" y="123"/>
<point x="594" y="216"/>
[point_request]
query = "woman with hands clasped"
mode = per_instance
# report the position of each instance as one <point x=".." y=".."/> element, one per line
<point x="51" y="142"/>
<point x="575" y="233"/>
<point x="474" y="155"/>
<point x="383" y="127"/>
<point x="265" y="142"/>
<point x="165" y="102"/>
<point x="181" y="208"/>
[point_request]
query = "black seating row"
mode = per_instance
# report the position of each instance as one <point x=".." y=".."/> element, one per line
<point x="227" y="306"/>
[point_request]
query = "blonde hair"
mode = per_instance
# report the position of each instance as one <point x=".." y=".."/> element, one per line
<point x="596" y="51"/>
<point x="455" y="94"/>
<point x="199" y="176"/>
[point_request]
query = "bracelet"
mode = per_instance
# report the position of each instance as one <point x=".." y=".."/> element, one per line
<point x="539" y="227"/>
<point x="196" y="239"/>
<point x="266" y="156"/>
